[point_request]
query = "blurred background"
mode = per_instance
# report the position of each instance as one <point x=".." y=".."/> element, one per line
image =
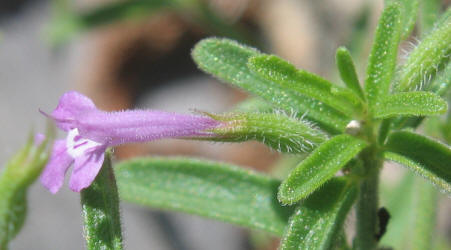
<point x="136" y="54"/>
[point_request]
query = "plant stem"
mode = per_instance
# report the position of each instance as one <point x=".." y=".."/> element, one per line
<point x="367" y="207"/>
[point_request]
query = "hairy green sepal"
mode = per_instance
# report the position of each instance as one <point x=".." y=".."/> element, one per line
<point x="427" y="58"/>
<point x="278" y="131"/>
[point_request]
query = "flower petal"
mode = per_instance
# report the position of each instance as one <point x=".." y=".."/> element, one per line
<point x="77" y="145"/>
<point x="69" y="108"/>
<point x="114" y="128"/>
<point x="86" y="168"/>
<point x="53" y="175"/>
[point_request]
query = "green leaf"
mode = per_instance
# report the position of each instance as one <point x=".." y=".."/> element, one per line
<point x="20" y="172"/>
<point x="227" y="60"/>
<point x="409" y="12"/>
<point x="427" y="58"/>
<point x="398" y="200"/>
<point x="280" y="71"/>
<point x="278" y="131"/>
<point x="66" y="23"/>
<point x="441" y="86"/>
<point x="410" y="103"/>
<point x="442" y="82"/>
<point x="319" y="167"/>
<point x="383" y="130"/>
<point x="318" y="221"/>
<point x="425" y="215"/>
<point x="254" y="104"/>
<point x="382" y="60"/>
<point x="429" y="12"/>
<point x="347" y="71"/>
<point x="412" y="205"/>
<point x="100" y="209"/>
<point x="422" y="155"/>
<point x="214" y="190"/>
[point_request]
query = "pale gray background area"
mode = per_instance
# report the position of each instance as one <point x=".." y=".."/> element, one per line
<point x="33" y="76"/>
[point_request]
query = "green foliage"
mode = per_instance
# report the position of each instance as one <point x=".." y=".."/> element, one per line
<point x="278" y="131"/>
<point x="348" y="72"/>
<point x="318" y="221"/>
<point x="425" y="209"/>
<point x="20" y="172"/>
<point x="410" y="103"/>
<point x="279" y="71"/>
<point x="228" y="61"/>
<point x="442" y="82"/>
<point x="409" y="12"/>
<point x="422" y="155"/>
<point x="214" y="190"/>
<point x="427" y="58"/>
<point x="412" y="204"/>
<point x="100" y="209"/>
<point x="429" y="11"/>
<point x="254" y="104"/>
<point x="67" y="22"/>
<point x="382" y="60"/>
<point x="398" y="200"/>
<point x="319" y="167"/>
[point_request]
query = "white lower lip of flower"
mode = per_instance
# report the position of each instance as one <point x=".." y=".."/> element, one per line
<point x="78" y="146"/>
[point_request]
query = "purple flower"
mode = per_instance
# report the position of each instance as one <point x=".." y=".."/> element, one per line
<point x="91" y="131"/>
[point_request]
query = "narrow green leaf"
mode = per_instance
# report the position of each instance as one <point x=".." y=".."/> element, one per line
<point x="318" y="221"/>
<point x="227" y="60"/>
<point x="398" y="199"/>
<point x="319" y="167"/>
<point x="382" y="60"/>
<point x="282" y="72"/>
<point x="383" y="130"/>
<point x="442" y="82"/>
<point x="422" y="155"/>
<point x="254" y="104"/>
<point x="441" y="86"/>
<point x="100" y="209"/>
<point x="347" y="71"/>
<point x="278" y="131"/>
<point x="412" y="205"/>
<point x="425" y="220"/>
<point x="410" y="103"/>
<point x="66" y="23"/>
<point x="427" y="58"/>
<point x="429" y="12"/>
<point x="20" y="172"/>
<point x="409" y="12"/>
<point x="214" y="190"/>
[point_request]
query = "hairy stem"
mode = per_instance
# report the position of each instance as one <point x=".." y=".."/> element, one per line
<point x="367" y="206"/>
